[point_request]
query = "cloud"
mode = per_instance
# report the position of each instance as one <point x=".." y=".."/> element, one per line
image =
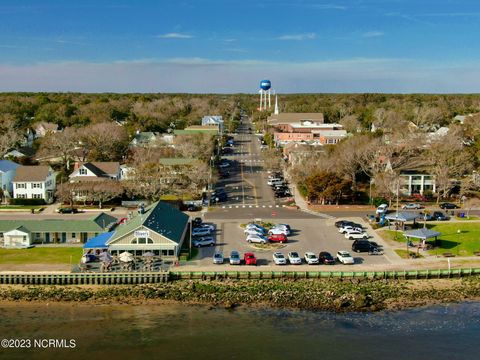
<point x="370" y="34"/>
<point x="328" y="6"/>
<point x="174" y="36"/>
<point x="202" y="75"/>
<point x="298" y="37"/>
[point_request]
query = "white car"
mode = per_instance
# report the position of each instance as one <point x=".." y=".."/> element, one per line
<point x="278" y="231"/>
<point x="254" y="231"/>
<point x="218" y="258"/>
<point x="345" y="258"/>
<point x="257" y="239"/>
<point x="206" y="226"/>
<point x="382" y="209"/>
<point x="354" y="235"/>
<point x="273" y="181"/>
<point x="235" y="258"/>
<point x="311" y="258"/>
<point x="279" y="258"/>
<point x="294" y="258"/>
<point x="284" y="227"/>
<point x="348" y="228"/>
<point x="413" y="206"/>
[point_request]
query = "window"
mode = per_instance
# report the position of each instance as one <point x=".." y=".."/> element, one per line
<point x="170" y="253"/>
<point x="134" y="241"/>
<point x="149" y="241"/>
<point x="20" y="186"/>
<point x="21" y="196"/>
<point x="36" y="185"/>
<point x="24" y="239"/>
<point x="74" y="235"/>
<point x="36" y="196"/>
<point x="82" y="171"/>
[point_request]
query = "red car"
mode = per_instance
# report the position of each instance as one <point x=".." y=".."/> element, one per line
<point x="250" y="259"/>
<point x="281" y="238"/>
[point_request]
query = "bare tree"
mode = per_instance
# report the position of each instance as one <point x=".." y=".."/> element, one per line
<point x="272" y="159"/>
<point x="104" y="141"/>
<point x="9" y="136"/>
<point x="61" y="144"/>
<point x="102" y="191"/>
<point x="199" y="146"/>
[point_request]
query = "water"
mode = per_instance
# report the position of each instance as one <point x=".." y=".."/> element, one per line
<point x="195" y="332"/>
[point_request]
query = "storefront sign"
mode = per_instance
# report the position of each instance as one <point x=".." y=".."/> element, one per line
<point x="142" y="234"/>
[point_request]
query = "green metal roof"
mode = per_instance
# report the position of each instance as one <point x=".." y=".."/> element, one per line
<point x="94" y="224"/>
<point x="160" y="217"/>
<point x="176" y="161"/>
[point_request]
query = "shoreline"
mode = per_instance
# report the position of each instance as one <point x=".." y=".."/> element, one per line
<point x="333" y="295"/>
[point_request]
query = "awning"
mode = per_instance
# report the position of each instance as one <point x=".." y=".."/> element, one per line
<point x="403" y="216"/>
<point x="99" y="241"/>
<point x="421" y="234"/>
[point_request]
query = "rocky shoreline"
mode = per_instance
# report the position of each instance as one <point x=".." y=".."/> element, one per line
<point x="339" y="295"/>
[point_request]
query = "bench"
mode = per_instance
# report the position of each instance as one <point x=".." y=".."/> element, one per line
<point x="448" y="254"/>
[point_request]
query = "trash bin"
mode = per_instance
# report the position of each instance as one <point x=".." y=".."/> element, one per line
<point x="462" y="215"/>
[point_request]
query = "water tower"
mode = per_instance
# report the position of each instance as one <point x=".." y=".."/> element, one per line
<point x="265" y="88"/>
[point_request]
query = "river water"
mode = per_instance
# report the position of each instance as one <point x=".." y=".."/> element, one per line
<point x="200" y="332"/>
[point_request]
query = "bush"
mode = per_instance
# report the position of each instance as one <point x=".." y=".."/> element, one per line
<point x="378" y="201"/>
<point x="27" y="202"/>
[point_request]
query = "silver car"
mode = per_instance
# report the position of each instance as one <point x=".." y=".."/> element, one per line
<point x="235" y="258"/>
<point x="218" y="258"/>
<point x="203" y="241"/>
<point x="294" y="258"/>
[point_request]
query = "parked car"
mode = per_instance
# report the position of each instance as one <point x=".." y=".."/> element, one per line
<point x="201" y="231"/>
<point x="67" y="210"/>
<point x="235" y="258"/>
<point x="274" y="180"/>
<point x="440" y="216"/>
<point x="206" y="226"/>
<point x="281" y="238"/>
<point x="342" y="223"/>
<point x="311" y="258"/>
<point x="257" y="239"/>
<point x="412" y="206"/>
<point x="361" y="246"/>
<point x="354" y="235"/>
<point x="218" y="258"/>
<point x="253" y="231"/>
<point x="348" y="228"/>
<point x="203" y="241"/>
<point x="345" y="258"/>
<point x="249" y="259"/>
<point x="427" y="217"/>
<point x="448" y="206"/>
<point x="277" y="230"/>
<point x="255" y="226"/>
<point x="197" y="221"/>
<point x="326" y="258"/>
<point x="382" y="209"/>
<point x="222" y="197"/>
<point x="224" y="175"/>
<point x="279" y="258"/>
<point x="294" y="258"/>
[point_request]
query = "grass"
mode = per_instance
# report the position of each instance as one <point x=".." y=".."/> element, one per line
<point x="467" y="218"/>
<point x="404" y="254"/>
<point x="463" y="243"/>
<point x="21" y="207"/>
<point x="41" y="255"/>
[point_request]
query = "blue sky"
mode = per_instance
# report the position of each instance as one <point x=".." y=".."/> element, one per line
<point x="228" y="46"/>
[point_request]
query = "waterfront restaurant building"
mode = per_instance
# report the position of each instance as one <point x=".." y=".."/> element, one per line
<point x="159" y="228"/>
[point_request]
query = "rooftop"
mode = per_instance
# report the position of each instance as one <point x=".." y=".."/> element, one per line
<point x="31" y="173"/>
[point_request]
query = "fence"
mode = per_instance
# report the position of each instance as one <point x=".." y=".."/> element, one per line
<point x="163" y="276"/>
<point x="84" y="278"/>
<point x="415" y="274"/>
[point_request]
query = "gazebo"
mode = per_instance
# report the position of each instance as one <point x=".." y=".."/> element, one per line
<point x="422" y="234"/>
<point x="402" y="217"/>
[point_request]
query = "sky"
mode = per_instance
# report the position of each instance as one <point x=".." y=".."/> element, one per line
<point x="228" y="46"/>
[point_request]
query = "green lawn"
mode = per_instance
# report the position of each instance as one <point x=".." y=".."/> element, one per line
<point x="463" y="243"/>
<point x="41" y="255"/>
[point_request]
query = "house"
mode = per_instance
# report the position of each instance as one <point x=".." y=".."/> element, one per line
<point x="144" y="139"/>
<point x="415" y="182"/>
<point x="34" y="182"/>
<point x="95" y="171"/>
<point x="26" y="233"/>
<point x="20" y="152"/>
<point x="44" y="128"/>
<point x="213" y="120"/>
<point x="288" y="118"/>
<point x="7" y="173"/>
<point x="160" y="228"/>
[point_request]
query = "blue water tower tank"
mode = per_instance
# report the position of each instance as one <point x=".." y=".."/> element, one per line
<point x="265" y="84"/>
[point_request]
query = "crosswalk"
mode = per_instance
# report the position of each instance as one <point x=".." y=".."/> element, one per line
<point x="251" y="206"/>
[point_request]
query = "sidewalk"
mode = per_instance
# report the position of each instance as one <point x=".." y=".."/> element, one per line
<point x="302" y="204"/>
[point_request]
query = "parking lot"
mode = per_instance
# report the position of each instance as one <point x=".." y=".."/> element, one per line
<point x="314" y="235"/>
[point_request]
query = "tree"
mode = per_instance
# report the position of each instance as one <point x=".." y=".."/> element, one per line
<point x="327" y="187"/>
<point x="272" y="159"/>
<point x="9" y="136"/>
<point x="148" y="181"/>
<point x="61" y="144"/>
<point x="199" y="146"/>
<point x="104" y="141"/>
<point x="102" y="191"/>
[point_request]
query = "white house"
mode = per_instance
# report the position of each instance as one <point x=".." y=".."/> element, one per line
<point x="7" y="173"/>
<point x="34" y="182"/>
<point x="96" y="171"/>
<point x="213" y="120"/>
<point x="413" y="182"/>
<point x="44" y="128"/>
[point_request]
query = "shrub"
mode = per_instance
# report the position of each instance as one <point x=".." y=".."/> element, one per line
<point x="27" y="202"/>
